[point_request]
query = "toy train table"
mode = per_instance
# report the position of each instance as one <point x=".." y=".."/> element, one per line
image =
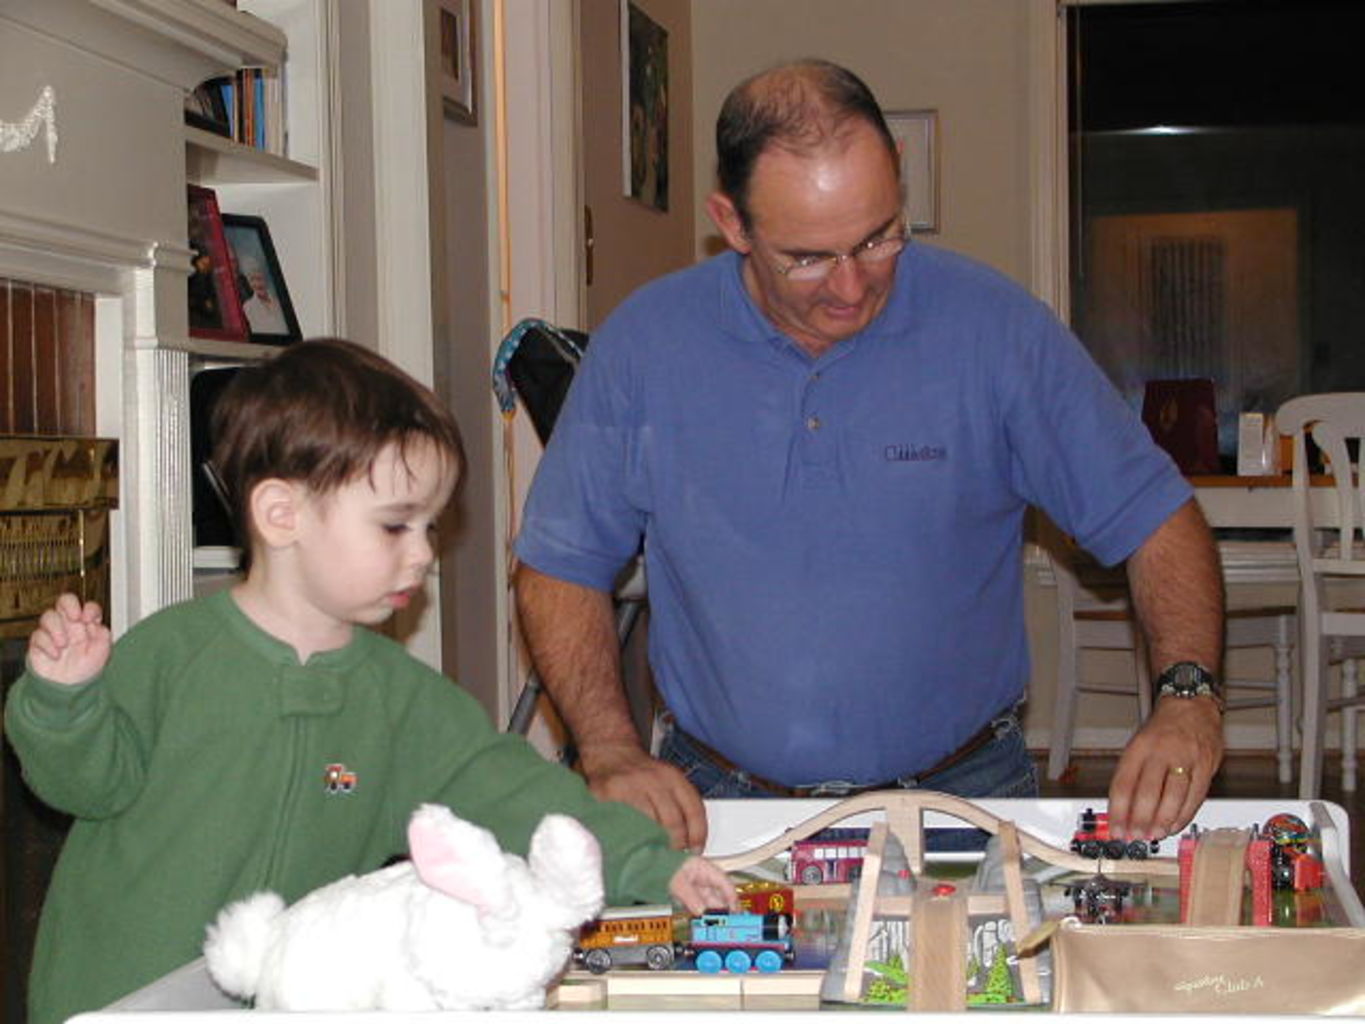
<point x="834" y="892"/>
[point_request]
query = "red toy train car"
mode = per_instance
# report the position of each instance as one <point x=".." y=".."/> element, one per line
<point x="830" y="855"/>
<point x="1092" y="839"/>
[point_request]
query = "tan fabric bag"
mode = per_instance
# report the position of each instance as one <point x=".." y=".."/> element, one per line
<point x="1200" y="969"/>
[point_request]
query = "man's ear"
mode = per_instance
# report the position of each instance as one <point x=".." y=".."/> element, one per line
<point x="274" y="508"/>
<point x="722" y="211"/>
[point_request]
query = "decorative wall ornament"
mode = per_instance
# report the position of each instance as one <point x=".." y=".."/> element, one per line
<point x="916" y="132"/>
<point x="20" y="134"/>
<point x="644" y="106"/>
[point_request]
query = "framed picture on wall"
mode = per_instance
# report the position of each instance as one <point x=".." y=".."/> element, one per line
<point x="265" y="295"/>
<point x="916" y="131"/>
<point x="644" y="107"/>
<point x="457" y="59"/>
<point x="214" y="304"/>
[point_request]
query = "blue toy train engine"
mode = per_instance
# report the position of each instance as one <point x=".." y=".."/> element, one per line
<point x="740" y="942"/>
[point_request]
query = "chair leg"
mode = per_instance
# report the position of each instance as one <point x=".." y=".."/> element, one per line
<point x="1314" y="676"/>
<point x="1284" y="700"/>
<point x="1349" y="690"/>
<point x="1064" y="707"/>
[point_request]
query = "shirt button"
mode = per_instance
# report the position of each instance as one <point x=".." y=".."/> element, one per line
<point x="813" y="423"/>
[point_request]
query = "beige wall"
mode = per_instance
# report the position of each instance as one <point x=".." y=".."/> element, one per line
<point x="634" y="243"/>
<point x="966" y="58"/>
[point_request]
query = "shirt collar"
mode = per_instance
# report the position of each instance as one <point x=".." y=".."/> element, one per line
<point x="317" y="687"/>
<point x="741" y="317"/>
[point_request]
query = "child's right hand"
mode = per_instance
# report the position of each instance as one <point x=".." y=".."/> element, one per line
<point x="700" y="885"/>
<point x="71" y="644"/>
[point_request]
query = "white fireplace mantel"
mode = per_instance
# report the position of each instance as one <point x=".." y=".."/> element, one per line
<point x="178" y="42"/>
<point x="103" y="211"/>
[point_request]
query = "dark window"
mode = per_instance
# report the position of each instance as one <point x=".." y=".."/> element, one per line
<point x="1218" y="155"/>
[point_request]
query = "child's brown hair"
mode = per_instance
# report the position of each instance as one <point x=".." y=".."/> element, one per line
<point x="320" y="413"/>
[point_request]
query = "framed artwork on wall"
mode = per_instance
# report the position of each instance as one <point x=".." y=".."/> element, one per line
<point x="265" y="295"/>
<point x="214" y="304"/>
<point x="916" y="131"/>
<point x="457" y="59"/>
<point x="644" y="107"/>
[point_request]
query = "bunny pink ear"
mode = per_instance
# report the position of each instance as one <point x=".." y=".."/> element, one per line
<point x="457" y="858"/>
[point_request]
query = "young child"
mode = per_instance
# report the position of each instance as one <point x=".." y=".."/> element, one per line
<point x="255" y="739"/>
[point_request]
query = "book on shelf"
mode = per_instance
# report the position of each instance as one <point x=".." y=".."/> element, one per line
<point x="215" y="299"/>
<point x="246" y="106"/>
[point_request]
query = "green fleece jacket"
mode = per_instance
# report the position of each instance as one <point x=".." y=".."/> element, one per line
<point x="206" y="763"/>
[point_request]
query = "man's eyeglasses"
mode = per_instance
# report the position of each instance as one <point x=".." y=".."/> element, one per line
<point x="817" y="268"/>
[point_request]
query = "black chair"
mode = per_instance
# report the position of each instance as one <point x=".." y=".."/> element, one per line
<point x="536" y="363"/>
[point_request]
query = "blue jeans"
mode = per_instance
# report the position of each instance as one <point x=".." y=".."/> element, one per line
<point x="1000" y="768"/>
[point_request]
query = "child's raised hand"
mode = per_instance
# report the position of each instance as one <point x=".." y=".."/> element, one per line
<point x="71" y="644"/>
<point x="699" y="886"/>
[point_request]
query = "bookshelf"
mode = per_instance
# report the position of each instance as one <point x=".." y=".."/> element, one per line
<point x="293" y="192"/>
<point x="210" y="157"/>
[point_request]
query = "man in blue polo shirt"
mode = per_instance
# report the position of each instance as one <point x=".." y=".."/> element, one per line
<point x="827" y="440"/>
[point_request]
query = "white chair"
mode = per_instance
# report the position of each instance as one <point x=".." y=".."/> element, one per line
<point x="1327" y="541"/>
<point x="1094" y="612"/>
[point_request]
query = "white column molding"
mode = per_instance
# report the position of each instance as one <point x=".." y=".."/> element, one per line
<point x="110" y="355"/>
<point x="541" y="171"/>
<point x="160" y="539"/>
<point x="331" y="145"/>
<point x="542" y="195"/>
<point x="403" y="230"/>
<point x="1048" y="171"/>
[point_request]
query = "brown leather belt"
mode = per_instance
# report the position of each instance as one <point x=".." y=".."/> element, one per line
<point x="974" y="743"/>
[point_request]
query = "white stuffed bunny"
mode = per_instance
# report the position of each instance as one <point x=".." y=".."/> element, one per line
<point x="462" y="926"/>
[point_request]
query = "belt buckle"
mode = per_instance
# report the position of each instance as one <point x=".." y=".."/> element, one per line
<point x="831" y="787"/>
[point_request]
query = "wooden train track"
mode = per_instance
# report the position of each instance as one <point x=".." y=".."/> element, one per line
<point x="904" y="810"/>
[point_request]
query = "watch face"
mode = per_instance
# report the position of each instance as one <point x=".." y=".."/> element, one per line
<point x="1186" y="679"/>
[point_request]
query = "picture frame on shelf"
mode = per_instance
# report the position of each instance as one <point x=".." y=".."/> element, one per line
<point x="457" y="39"/>
<point x="644" y="107"/>
<point x="916" y="132"/>
<point x="215" y="305"/>
<point x="266" y="304"/>
<point x="203" y="111"/>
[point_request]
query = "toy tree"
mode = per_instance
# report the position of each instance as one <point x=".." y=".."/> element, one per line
<point x="891" y="985"/>
<point x="999" y="981"/>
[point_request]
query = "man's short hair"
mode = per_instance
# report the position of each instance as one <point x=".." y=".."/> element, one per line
<point x="800" y="105"/>
<point x="320" y="413"/>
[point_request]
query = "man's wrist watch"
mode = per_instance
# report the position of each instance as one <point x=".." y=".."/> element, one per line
<point x="1188" y="679"/>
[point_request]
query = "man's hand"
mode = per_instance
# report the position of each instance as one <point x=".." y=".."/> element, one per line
<point x="71" y="645"/>
<point x="572" y="638"/>
<point x="628" y="774"/>
<point x="700" y="886"/>
<point x="1165" y="771"/>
